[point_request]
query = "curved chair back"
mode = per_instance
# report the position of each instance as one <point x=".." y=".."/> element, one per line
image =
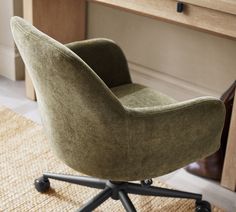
<point x="77" y="108"/>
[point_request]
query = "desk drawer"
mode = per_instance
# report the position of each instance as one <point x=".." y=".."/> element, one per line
<point x="194" y="16"/>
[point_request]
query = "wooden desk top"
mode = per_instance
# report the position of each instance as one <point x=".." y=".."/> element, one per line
<point x="213" y="16"/>
<point x="227" y="6"/>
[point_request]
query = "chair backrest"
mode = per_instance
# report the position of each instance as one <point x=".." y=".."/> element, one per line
<point x="77" y="108"/>
<point x="106" y="59"/>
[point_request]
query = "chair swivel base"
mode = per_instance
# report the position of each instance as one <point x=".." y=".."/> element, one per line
<point x="118" y="191"/>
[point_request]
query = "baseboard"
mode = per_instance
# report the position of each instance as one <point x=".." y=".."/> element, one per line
<point x="7" y="62"/>
<point x="11" y="65"/>
<point x="170" y="85"/>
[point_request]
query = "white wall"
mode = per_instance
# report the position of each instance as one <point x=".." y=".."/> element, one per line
<point x="6" y="11"/>
<point x="11" y="65"/>
<point x="181" y="62"/>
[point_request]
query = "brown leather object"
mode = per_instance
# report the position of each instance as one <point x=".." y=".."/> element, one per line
<point x="211" y="167"/>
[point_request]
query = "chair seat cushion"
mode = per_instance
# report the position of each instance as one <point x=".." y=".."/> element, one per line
<point x="136" y="96"/>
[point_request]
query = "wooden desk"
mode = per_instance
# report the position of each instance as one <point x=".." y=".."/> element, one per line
<point x="65" y="21"/>
<point x="60" y="19"/>
<point x="213" y="16"/>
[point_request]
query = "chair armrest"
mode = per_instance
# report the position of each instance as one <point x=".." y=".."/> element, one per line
<point x="105" y="58"/>
<point x="197" y="103"/>
<point x="179" y="133"/>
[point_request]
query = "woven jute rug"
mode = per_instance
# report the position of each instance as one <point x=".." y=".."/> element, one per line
<point x="25" y="155"/>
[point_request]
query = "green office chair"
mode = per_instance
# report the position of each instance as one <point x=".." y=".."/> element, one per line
<point x="101" y="124"/>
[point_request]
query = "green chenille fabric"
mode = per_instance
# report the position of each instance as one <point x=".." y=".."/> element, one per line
<point x="135" y="96"/>
<point x="97" y="53"/>
<point x="101" y="124"/>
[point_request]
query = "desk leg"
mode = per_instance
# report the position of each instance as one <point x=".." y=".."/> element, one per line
<point x="28" y="15"/>
<point x="229" y="170"/>
<point x="64" y="20"/>
<point x="30" y="92"/>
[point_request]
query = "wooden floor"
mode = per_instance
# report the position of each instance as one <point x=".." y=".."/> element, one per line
<point x="12" y="95"/>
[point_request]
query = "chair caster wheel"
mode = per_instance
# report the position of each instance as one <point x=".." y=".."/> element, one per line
<point x="42" y="184"/>
<point x="146" y="182"/>
<point x="203" y="206"/>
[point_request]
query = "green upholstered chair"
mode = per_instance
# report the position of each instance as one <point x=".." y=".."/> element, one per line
<point x="101" y="124"/>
